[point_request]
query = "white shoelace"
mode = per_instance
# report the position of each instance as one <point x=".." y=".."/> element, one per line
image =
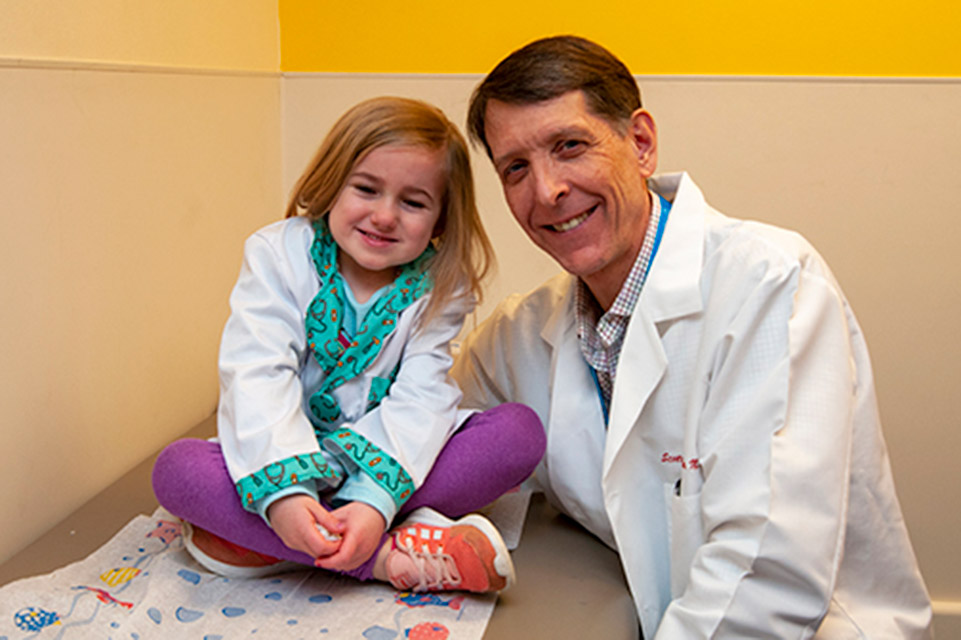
<point x="442" y="563"/>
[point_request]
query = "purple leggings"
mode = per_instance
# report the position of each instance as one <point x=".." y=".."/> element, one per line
<point x="490" y="454"/>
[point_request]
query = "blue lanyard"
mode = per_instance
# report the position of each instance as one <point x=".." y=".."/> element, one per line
<point x="600" y="394"/>
<point x="661" y="223"/>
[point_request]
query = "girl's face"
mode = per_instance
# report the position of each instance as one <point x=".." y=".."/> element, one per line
<point x="385" y="214"/>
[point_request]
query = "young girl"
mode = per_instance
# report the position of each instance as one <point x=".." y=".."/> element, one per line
<point x="337" y="415"/>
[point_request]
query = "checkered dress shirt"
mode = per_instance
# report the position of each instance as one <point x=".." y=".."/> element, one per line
<point x="601" y="334"/>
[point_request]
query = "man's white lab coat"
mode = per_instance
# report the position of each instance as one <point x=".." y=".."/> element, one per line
<point x="742" y="477"/>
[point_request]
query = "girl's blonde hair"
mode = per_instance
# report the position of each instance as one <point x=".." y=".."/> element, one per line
<point x="464" y="255"/>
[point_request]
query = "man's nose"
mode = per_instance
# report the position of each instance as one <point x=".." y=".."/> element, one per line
<point x="550" y="183"/>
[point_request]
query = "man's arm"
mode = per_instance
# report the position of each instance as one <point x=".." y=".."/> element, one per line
<point x="505" y="359"/>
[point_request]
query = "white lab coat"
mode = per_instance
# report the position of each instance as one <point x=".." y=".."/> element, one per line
<point x="267" y="373"/>
<point x="743" y="477"/>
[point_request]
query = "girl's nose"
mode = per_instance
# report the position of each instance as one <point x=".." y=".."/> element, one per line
<point x="384" y="216"/>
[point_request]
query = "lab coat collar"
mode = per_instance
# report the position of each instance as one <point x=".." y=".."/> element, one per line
<point x="673" y="289"/>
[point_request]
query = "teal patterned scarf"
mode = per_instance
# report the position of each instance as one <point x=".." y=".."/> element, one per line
<point x="340" y="355"/>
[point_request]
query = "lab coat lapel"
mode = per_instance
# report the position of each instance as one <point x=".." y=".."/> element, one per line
<point x="641" y="364"/>
<point x="672" y="290"/>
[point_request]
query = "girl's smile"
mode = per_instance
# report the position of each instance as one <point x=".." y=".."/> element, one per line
<point x="386" y="213"/>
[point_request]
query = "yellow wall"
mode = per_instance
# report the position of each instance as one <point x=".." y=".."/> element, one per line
<point x="767" y="37"/>
<point x="217" y="34"/>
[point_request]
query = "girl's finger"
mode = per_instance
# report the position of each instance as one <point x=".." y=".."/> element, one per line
<point x="327" y="520"/>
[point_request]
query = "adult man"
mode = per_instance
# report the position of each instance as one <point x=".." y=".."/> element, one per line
<point x="705" y="386"/>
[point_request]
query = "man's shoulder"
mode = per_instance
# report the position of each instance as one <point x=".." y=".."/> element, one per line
<point x="539" y="303"/>
<point x="735" y="234"/>
<point x="518" y="319"/>
<point x="750" y="244"/>
<point x="738" y="248"/>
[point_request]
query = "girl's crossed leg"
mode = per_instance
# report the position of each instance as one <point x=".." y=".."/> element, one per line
<point x="490" y="454"/>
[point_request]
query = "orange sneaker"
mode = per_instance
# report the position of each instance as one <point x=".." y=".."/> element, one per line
<point x="228" y="559"/>
<point x="434" y="553"/>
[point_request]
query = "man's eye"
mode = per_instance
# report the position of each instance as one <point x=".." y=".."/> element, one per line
<point x="568" y="146"/>
<point x="513" y="169"/>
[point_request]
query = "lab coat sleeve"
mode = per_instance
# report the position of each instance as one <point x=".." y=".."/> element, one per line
<point x="267" y="440"/>
<point x="417" y="416"/>
<point x="361" y="487"/>
<point x="775" y="441"/>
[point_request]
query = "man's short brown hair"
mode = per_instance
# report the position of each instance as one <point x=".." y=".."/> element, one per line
<point x="550" y="67"/>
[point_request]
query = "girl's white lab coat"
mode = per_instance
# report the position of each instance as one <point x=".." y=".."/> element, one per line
<point x="742" y="477"/>
<point x="267" y="373"/>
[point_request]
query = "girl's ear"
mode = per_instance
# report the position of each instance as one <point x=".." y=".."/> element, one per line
<point x="440" y="226"/>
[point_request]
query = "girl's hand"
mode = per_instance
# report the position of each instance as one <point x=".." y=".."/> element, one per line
<point x="294" y="519"/>
<point x="364" y="528"/>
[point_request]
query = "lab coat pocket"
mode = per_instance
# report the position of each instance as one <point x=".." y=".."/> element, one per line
<point x="684" y="533"/>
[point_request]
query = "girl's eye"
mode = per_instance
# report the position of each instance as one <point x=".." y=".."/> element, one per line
<point x="363" y="188"/>
<point x="415" y="204"/>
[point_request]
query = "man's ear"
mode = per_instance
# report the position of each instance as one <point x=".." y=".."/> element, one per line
<point x="644" y="135"/>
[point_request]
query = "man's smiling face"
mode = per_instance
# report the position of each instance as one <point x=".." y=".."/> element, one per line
<point x="575" y="183"/>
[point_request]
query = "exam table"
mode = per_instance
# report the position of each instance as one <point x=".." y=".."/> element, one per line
<point x="569" y="584"/>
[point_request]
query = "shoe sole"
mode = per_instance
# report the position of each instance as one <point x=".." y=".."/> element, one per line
<point x="228" y="570"/>
<point x="503" y="564"/>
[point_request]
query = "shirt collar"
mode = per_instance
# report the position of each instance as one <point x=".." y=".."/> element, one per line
<point x="588" y="310"/>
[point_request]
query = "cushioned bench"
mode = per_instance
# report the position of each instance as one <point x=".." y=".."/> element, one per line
<point x="569" y="584"/>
